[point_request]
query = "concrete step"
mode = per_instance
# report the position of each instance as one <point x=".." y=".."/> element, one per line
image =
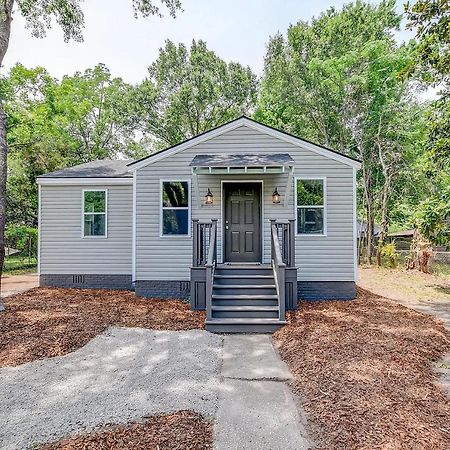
<point x="244" y="325"/>
<point x="245" y="312"/>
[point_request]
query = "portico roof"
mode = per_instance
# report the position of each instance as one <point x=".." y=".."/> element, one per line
<point x="243" y="160"/>
<point x="221" y="163"/>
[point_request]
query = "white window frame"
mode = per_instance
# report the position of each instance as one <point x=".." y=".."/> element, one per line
<point x="324" y="206"/>
<point x="105" y="236"/>
<point x="162" y="208"/>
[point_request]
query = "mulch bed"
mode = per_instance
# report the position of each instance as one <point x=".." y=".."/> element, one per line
<point x="364" y="371"/>
<point x="184" y="430"/>
<point x="47" y="322"/>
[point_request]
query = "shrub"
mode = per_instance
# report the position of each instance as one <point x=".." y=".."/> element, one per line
<point x="389" y="252"/>
<point x="22" y="238"/>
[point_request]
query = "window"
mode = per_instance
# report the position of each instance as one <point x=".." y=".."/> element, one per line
<point x="175" y="207"/>
<point x="311" y="206"/>
<point x="94" y="213"/>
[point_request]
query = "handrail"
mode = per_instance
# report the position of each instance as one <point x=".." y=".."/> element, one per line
<point x="279" y="268"/>
<point x="212" y="250"/>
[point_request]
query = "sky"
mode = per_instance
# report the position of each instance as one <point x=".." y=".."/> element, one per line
<point x="237" y="30"/>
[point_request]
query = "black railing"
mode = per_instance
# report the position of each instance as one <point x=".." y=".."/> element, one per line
<point x="285" y="232"/>
<point x="205" y="254"/>
<point x="204" y="234"/>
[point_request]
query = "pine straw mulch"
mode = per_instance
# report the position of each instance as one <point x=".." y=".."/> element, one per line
<point x="47" y="322"/>
<point x="364" y="371"/>
<point x="183" y="430"/>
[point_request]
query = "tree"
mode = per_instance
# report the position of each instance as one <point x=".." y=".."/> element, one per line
<point x="39" y="15"/>
<point x="335" y="81"/>
<point x="431" y="20"/>
<point x="190" y="91"/>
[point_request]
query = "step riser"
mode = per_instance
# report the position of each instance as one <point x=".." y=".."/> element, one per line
<point x="245" y="314"/>
<point x="244" y="291"/>
<point x="243" y="281"/>
<point x="242" y="328"/>
<point x="246" y="302"/>
<point x="240" y="271"/>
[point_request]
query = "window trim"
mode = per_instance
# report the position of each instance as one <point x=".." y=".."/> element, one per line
<point x="324" y="206"/>
<point x="105" y="236"/>
<point x="162" y="208"/>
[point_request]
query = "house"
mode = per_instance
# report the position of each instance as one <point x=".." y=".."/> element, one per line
<point x="242" y="220"/>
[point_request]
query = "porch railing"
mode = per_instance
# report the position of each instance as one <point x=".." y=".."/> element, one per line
<point x="205" y="255"/>
<point x="283" y="256"/>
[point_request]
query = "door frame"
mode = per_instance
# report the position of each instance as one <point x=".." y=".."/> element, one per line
<point x="222" y="214"/>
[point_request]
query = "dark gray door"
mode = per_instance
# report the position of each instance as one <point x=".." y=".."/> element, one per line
<point x="242" y="222"/>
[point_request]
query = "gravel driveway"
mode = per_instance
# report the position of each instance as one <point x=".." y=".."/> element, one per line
<point x="121" y="375"/>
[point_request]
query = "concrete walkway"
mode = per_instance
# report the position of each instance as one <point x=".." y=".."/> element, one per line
<point x="256" y="407"/>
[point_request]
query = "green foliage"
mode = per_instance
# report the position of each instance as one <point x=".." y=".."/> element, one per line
<point x="389" y="253"/>
<point x="433" y="218"/>
<point x="309" y="193"/>
<point x="22" y="238"/>
<point x="68" y="14"/>
<point x="190" y="91"/>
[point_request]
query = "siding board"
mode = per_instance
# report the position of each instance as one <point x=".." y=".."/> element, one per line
<point x="64" y="251"/>
<point x="319" y="258"/>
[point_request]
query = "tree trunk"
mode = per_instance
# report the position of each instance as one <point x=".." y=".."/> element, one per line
<point x="384" y="221"/>
<point x="5" y="32"/>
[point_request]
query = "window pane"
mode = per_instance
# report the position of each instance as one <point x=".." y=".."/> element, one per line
<point x="310" y="220"/>
<point x="175" y="193"/>
<point x="175" y="221"/>
<point x="94" y="201"/>
<point x="309" y="192"/>
<point x="95" y="224"/>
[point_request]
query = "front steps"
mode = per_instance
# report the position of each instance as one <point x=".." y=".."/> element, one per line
<point x="244" y="300"/>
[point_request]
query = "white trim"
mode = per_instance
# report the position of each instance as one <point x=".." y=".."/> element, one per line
<point x="83" y="181"/>
<point x="161" y="208"/>
<point x="254" y="125"/>
<point x="222" y="215"/>
<point x="133" y="249"/>
<point x="324" y="206"/>
<point x="39" y="230"/>
<point x="355" y="229"/>
<point x="105" y="236"/>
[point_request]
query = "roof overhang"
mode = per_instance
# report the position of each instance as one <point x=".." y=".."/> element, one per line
<point x="242" y="163"/>
<point x="76" y="181"/>
<point x="250" y="123"/>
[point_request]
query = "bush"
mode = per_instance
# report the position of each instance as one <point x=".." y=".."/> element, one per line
<point x="22" y="238"/>
<point x="389" y="252"/>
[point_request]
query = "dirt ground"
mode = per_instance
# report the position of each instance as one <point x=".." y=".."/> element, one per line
<point x="13" y="284"/>
<point x="46" y="322"/>
<point x="184" y="430"/>
<point x="405" y="285"/>
<point x="364" y="371"/>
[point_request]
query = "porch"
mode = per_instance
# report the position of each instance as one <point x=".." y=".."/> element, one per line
<point x="243" y="297"/>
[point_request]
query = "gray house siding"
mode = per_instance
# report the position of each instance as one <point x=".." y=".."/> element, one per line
<point x="320" y="259"/>
<point x="64" y="253"/>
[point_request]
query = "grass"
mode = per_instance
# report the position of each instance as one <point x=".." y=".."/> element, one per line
<point x="401" y="284"/>
<point x="19" y="264"/>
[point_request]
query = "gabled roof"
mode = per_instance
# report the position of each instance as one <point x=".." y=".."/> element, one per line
<point x="251" y="123"/>
<point x="103" y="168"/>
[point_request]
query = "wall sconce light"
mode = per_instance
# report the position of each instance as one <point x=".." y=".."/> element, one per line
<point x="275" y="196"/>
<point x="209" y="198"/>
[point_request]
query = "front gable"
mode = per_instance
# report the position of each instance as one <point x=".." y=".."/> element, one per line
<point x="234" y="136"/>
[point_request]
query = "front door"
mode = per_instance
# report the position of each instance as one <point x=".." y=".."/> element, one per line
<point x="242" y="222"/>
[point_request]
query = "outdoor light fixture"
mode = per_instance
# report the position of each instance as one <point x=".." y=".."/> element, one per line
<point x="209" y="198"/>
<point x="275" y="196"/>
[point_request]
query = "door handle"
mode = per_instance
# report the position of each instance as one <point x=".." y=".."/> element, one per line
<point x="226" y="227"/>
